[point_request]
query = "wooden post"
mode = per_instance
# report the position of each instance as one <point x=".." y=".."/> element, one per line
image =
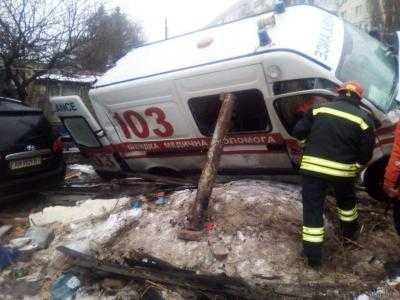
<point x="206" y="182"/>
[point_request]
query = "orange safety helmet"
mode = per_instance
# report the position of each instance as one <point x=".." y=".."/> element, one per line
<point x="352" y="86"/>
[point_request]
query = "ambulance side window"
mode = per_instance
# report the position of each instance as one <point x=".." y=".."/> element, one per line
<point x="250" y="112"/>
<point x="297" y="85"/>
<point x="291" y="109"/>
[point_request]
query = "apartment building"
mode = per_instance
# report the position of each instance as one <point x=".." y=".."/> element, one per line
<point x="357" y="12"/>
<point x="246" y="8"/>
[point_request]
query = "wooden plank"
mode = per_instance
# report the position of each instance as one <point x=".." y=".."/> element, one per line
<point x="217" y="284"/>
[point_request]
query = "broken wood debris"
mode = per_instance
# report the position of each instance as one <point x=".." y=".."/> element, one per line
<point x="217" y="284"/>
<point x="209" y="174"/>
<point x="71" y="175"/>
<point x="169" y="180"/>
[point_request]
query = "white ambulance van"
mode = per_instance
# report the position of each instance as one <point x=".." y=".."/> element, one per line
<point x="155" y="110"/>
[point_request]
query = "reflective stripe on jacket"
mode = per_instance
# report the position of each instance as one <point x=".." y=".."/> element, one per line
<point x="332" y="168"/>
<point x="339" y="139"/>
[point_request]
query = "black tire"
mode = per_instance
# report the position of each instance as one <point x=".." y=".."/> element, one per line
<point x="373" y="180"/>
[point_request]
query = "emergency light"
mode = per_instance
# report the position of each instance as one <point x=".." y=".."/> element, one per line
<point x="279" y="7"/>
<point x="263" y="24"/>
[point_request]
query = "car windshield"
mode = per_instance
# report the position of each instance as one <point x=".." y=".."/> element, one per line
<point x="369" y="62"/>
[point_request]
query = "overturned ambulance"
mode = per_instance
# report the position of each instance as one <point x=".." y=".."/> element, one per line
<point x="155" y="111"/>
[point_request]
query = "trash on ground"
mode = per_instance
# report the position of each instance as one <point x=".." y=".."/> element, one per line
<point x="87" y="169"/>
<point x="5" y="229"/>
<point x="7" y="256"/>
<point x="40" y="237"/>
<point x="72" y="174"/>
<point x="65" y="286"/>
<point x="208" y="283"/>
<point x="161" y="199"/>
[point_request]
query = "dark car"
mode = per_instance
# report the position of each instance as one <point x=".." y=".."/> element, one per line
<point x="30" y="152"/>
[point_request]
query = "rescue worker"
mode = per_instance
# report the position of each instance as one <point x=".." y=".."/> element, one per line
<point x="339" y="140"/>
<point x="391" y="184"/>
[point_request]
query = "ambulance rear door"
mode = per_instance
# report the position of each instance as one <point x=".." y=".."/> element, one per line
<point x="86" y="132"/>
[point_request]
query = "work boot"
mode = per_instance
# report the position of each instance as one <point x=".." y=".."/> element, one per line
<point x="350" y="231"/>
<point x="313" y="254"/>
<point x="314" y="262"/>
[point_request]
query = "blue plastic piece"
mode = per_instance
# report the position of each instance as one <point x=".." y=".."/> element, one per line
<point x="136" y="203"/>
<point x="7" y="256"/>
<point x="279" y="7"/>
<point x="65" y="287"/>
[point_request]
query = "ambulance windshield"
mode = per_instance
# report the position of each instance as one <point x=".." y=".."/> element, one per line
<point x="369" y="62"/>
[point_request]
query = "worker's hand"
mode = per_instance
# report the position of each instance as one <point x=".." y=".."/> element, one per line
<point x="392" y="192"/>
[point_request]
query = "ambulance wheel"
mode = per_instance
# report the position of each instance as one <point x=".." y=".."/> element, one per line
<point x="373" y="180"/>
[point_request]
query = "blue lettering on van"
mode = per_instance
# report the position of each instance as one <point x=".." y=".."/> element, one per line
<point x="66" y="107"/>
<point x="325" y="39"/>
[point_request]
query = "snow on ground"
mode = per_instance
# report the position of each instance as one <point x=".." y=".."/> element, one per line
<point x="83" y="211"/>
<point x="257" y="223"/>
<point x="87" y="169"/>
<point x="247" y="218"/>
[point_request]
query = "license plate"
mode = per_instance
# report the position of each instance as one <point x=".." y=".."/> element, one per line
<point x="25" y="163"/>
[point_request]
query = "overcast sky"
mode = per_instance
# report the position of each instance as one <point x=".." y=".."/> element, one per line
<point x="183" y="15"/>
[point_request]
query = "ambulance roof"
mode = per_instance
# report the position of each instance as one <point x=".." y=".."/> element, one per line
<point x="307" y="30"/>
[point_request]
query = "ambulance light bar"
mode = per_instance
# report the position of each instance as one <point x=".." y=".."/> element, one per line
<point x="263" y="24"/>
<point x="279" y="7"/>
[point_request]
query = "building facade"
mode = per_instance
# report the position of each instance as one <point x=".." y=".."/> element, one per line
<point x="245" y="8"/>
<point x="357" y="12"/>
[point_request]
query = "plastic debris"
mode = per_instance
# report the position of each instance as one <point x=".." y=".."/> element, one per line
<point x="136" y="203"/>
<point x="4" y="229"/>
<point x="161" y="198"/>
<point x="87" y="169"/>
<point x="136" y="209"/>
<point x="7" y="256"/>
<point x="209" y="226"/>
<point x="35" y="238"/>
<point x="19" y="242"/>
<point x="40" y="237"/>
<point x="65" y="287"/>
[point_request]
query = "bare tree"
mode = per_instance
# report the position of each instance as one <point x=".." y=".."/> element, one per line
<point x="110" y="36"/>
<point x="37" y="36"/>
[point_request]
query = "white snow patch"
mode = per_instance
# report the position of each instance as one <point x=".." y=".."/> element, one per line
<point x="64" y="78"/>
<point x="88" y="236"/>
<point x="82" y="211"/>
<point x="87" y="169"/>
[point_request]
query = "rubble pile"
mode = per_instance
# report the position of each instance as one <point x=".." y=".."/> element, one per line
<point x="251" y="237"/>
